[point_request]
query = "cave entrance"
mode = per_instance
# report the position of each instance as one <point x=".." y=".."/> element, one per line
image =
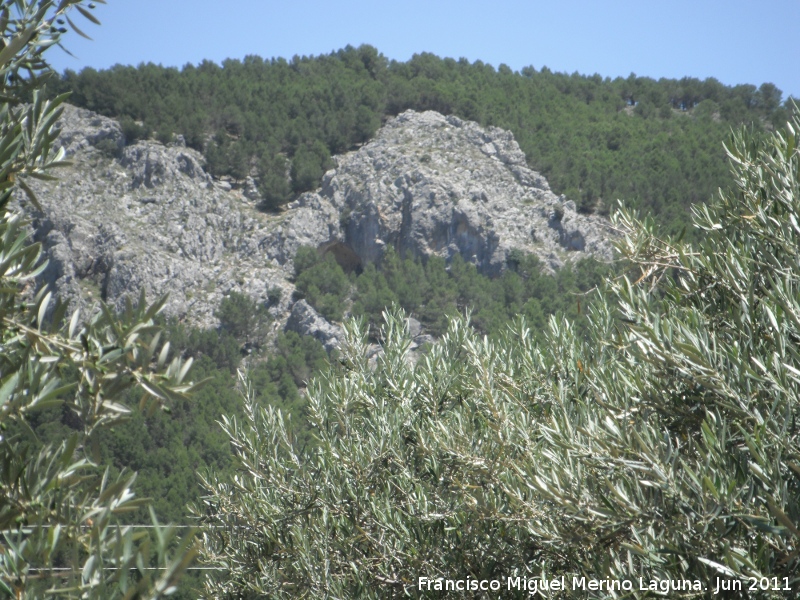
<point x="344" y="255"/>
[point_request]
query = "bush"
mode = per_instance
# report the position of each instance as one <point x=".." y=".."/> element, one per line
<point x="243" y="318"/>
<point x="224" y="350"/>
<point x="274" y="186"/>
<point x="309" y="164"/>
<point x="322" y="282"/>
<point x="59" y="513"/>
<point x="132" y="131"/>
<point x="108" y="147"/>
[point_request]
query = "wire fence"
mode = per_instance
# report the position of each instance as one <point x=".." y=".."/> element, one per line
<point x="65" y="571"/>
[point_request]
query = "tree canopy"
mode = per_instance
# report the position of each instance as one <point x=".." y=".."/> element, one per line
<point x="654" y="143"/>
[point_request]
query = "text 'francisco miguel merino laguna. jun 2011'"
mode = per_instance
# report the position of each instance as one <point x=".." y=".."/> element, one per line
<point x="543" y="584"/>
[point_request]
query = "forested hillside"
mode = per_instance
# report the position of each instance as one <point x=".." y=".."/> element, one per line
<point x="656" y="144"/>
<point x="638" y="420"/>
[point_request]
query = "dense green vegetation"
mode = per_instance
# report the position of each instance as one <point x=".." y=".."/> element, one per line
<point x="434" y="291"/>
<point x="169" y="448"/>
<point x="661" y="447"/>
<point x="656" y="144"/>
<point x="321" y="281"/>
<point x="654" y="431"/>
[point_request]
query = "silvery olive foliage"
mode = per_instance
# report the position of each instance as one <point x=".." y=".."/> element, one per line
<point x="662" y="445"/>
<point x="59" y="532"/>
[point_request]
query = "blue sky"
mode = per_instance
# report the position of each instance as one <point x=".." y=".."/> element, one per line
<point x="736" y="41"/>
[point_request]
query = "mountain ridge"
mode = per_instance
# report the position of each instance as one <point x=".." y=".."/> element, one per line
<point x="123" y="217"/>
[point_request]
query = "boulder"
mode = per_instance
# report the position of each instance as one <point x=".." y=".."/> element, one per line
<point x="307" y="321"/>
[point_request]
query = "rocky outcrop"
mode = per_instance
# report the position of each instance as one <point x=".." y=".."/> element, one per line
<point x="152" y="166"/>
<point x="429" y="184"/>
<point x="148" y="215"/>
<point x="307" y="321"/>
<point x="82" y="129"/>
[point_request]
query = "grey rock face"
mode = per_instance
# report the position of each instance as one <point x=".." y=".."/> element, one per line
<point x="149" y="218"/>
<point x="307" y="321"/>
<point x="81" y="129"/>
<point x="152" y="165"/>
<point x="250" y="190"/>
<point x="435" y="185"/>
<point x="148" y="215"/>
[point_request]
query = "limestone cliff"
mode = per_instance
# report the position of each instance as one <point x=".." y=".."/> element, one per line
<point x="147" y="215"/>
<point x="429" y="184"/>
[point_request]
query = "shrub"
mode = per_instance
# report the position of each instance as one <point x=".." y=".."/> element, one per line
<point x="243" y="317"/>
<point x="59" y="513"/>
<point x="322" y="282"/>
<point x="132" y="131"/>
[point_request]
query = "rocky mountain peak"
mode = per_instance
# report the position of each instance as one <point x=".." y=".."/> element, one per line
<point x="147" y="215"/>
<point x="429" y="184"/>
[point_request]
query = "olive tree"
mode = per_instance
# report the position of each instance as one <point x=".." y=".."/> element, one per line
<point x="663" y="444"/>
<point x="59" y="530"/>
